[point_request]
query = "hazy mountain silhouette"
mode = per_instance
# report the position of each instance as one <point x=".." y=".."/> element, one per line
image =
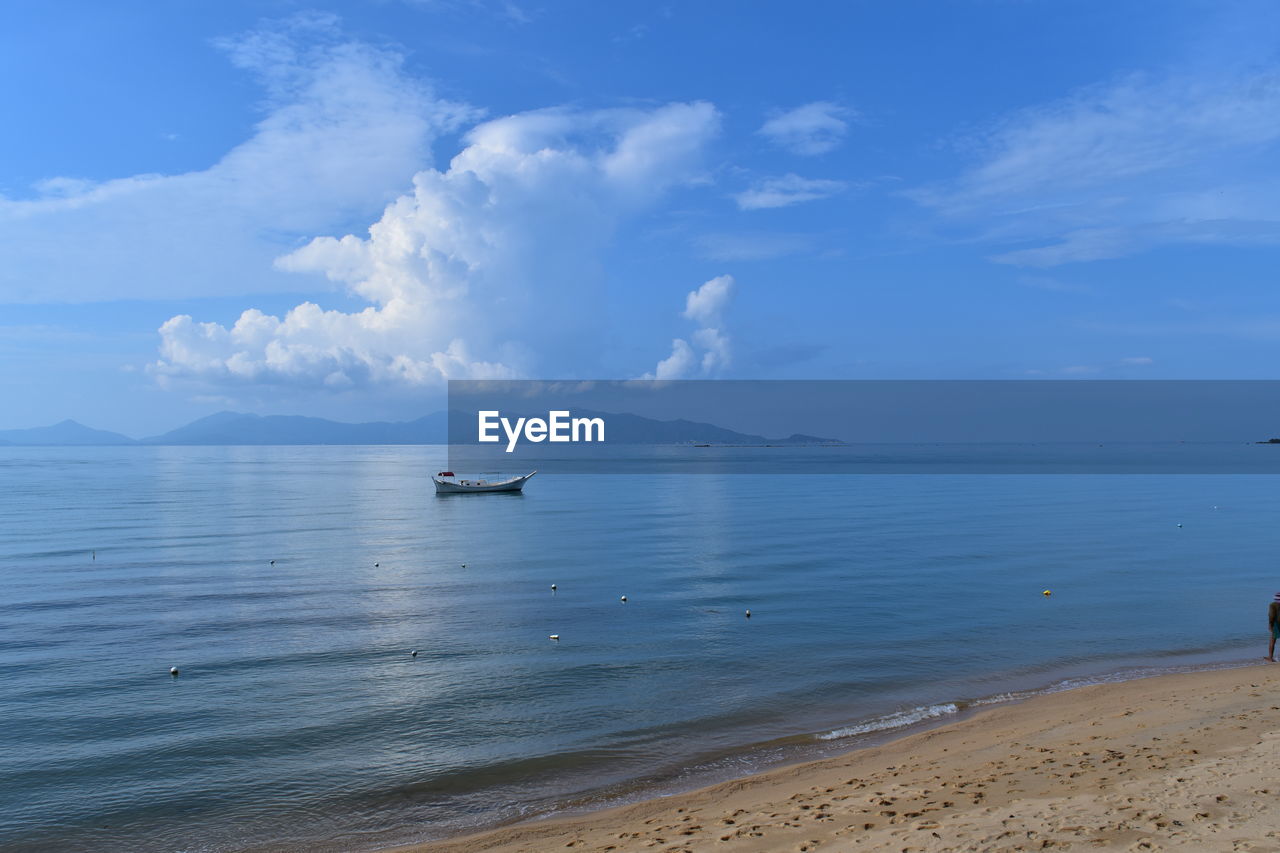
<point x="65" y="434"/>
<point x="623" y="428"/>
<point x="237" y="428"/>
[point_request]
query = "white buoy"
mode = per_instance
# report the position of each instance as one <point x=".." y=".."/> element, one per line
<point x="413" y="654"/>
<point x="748" y="614"/>
<point x="553" y="587"/>
<point x="464" y="565"/>
<point x="273" y="562"/>
<point x="375" y="565"/>
<point x="173" y="670"/>
<point x="553" y="637"/>
<point x="623" y="599"/>
<point x="1179" y="525"/>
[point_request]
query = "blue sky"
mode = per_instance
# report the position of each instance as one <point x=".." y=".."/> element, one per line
<point x="330" y="208"/>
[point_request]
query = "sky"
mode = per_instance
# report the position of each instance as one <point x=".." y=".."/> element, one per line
<point x="331" y="208"/>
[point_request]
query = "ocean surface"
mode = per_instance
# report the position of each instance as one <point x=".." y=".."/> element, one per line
<point x="300" y="718"/>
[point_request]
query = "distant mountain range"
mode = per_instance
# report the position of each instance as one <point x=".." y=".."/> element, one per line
<point x="635" y="429"/>
<point x="234" y="428"/>
<point x="65" y="434"/>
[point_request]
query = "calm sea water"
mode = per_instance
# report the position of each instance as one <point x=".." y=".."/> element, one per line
<point x="300" y="716"/>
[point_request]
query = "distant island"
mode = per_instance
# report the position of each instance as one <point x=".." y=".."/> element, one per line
<point x="239" y="429"/>
<point x="236" y="428"/>
<point x="1269" y="441"/>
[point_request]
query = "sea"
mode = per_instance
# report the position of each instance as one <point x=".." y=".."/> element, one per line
<point x="290" y="587"/>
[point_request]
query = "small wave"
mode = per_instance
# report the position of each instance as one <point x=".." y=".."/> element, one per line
<point x="894" y="721"/>
<point x="1117" y="677"/>
<point x="1059" y="687"/>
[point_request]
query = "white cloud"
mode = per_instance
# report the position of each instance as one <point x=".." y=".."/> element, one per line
<point x="705" y="306"/>
<point x="677" y="365"/>
<point x="787" y="190"/>
<point x="710" y="351"/>
<point x="808" y="130"/>
<point x="342" y="129"/>
<point x="483" y="265"/>
<point x="715" y="350"/>
<point x="1120" y="168"/>
<point x="310" y="348"/>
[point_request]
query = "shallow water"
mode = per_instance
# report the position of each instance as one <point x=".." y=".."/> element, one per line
<point x="299" y="714"/>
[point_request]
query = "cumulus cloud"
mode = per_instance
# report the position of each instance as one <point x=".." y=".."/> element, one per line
<point x="709" y="353"/>
<point x="1119" y="168"/>
<point x="487" y="269"/>
<point x="705" y="306"/>
<point x="787" y="190"/>
<point x="677" y="365"/>
<point x="808" y="130"/>
<point x="309" y="348"/>
<point x="342" y="129"/>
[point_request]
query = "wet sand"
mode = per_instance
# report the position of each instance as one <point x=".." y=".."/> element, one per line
<point x="1175" y="762"/>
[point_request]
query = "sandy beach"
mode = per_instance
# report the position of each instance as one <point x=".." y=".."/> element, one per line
<point x="1176" y="762"/>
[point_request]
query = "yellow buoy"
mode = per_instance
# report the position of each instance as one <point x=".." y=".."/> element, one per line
<point x="1048" y="592"/>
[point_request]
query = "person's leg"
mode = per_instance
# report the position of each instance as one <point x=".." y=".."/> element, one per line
<point x="1271" y="649"/>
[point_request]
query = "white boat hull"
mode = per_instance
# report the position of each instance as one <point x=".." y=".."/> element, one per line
<point x="453" y="485"/>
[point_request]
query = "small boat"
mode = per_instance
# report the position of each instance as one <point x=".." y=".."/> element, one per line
<point x="447" y="483"/>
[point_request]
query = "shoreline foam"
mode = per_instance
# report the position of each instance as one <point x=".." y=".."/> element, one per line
<point x="1032" y="760"/>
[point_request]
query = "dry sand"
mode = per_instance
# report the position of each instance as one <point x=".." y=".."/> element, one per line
<point x="1176" y="762"/>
